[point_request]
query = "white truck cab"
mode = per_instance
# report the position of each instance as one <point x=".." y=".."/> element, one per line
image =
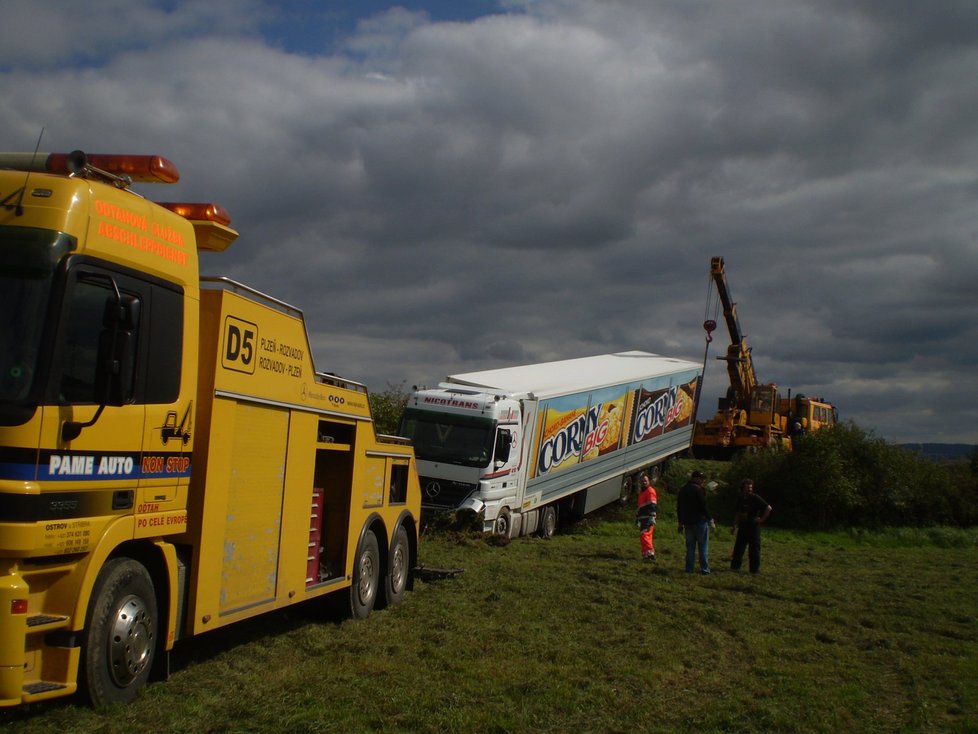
<point x="521" y="445"/>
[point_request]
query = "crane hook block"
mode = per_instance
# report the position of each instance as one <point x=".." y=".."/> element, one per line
<point x="710" y="326"/>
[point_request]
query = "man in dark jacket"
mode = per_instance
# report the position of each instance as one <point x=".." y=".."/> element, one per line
<point x="752" y="510"/>
<point x="695" y="521"/>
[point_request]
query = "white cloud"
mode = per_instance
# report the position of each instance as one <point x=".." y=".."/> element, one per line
<point x="548" y="183"/>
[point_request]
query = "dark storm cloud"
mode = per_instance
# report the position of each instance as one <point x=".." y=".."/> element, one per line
<point x="551" y="181"/>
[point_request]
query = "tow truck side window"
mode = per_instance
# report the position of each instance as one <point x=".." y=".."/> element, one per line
<point x="163" y="350"/>
<point x="85" y="332"/>
<point x="151" y="354"/>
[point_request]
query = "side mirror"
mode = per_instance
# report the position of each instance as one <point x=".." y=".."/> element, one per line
<point x="116" y="350"/>
<point x="114" y="372"/>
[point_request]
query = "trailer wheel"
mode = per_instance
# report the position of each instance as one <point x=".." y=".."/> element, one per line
<point x="548" y="522"/>
<point x="400" y="570"/>
<point x="503" y="523"/>
<point x="119" y="643"/>
<point x="366" y="577"/>
<point x="626" y="490"/>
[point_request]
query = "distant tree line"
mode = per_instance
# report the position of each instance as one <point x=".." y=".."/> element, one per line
<point x="847" y="477"/>
<point x="838" y="477"/>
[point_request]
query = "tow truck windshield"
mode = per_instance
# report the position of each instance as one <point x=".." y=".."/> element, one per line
<point x="28" y="260"/>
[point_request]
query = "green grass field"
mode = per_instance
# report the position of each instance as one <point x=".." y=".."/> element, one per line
<point x="844" y="632"/>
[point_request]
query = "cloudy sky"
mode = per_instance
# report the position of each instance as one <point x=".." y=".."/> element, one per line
<point x="446" y="186"/>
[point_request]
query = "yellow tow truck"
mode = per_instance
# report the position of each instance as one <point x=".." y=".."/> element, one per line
<point x="170" y="460"/>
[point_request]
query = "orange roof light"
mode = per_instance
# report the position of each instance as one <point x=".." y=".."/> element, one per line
<point x="141" y="168"/>
<point x="199" y="212"/>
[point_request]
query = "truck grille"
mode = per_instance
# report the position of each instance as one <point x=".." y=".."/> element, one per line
<point x="444" y="494"/>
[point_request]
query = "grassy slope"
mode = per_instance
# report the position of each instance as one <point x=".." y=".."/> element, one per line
<point x="840" y="632"/>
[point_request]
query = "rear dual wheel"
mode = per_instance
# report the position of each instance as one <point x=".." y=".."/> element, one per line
<point x="365" y="594"/>
<point x="366" y="577"/>
<point x="400" y="568"/>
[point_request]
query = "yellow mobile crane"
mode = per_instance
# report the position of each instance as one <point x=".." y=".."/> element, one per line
<point x="170" y="460"/>
<point x="752" y="415"/>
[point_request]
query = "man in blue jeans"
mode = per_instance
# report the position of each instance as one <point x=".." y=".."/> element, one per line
<point x="695" y="520"/>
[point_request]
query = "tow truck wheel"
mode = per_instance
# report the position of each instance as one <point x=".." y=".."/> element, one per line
<point x="119" y="643"/>
<point x="502" y="524"/>
<point x="366" y="577"/>
<point x="400" y="569"/>
<point x="548" y="521"/>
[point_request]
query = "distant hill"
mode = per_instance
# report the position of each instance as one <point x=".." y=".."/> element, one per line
<point x="941" y="450"/>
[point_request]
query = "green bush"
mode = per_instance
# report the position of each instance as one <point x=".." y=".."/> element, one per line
<point x="387" y="407"/>
<point x="846" y="477"/>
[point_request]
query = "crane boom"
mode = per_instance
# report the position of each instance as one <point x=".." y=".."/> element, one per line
<point x="740" y="365"/>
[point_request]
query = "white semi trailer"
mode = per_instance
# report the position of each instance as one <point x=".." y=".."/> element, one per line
<point x="524" y="446"/>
